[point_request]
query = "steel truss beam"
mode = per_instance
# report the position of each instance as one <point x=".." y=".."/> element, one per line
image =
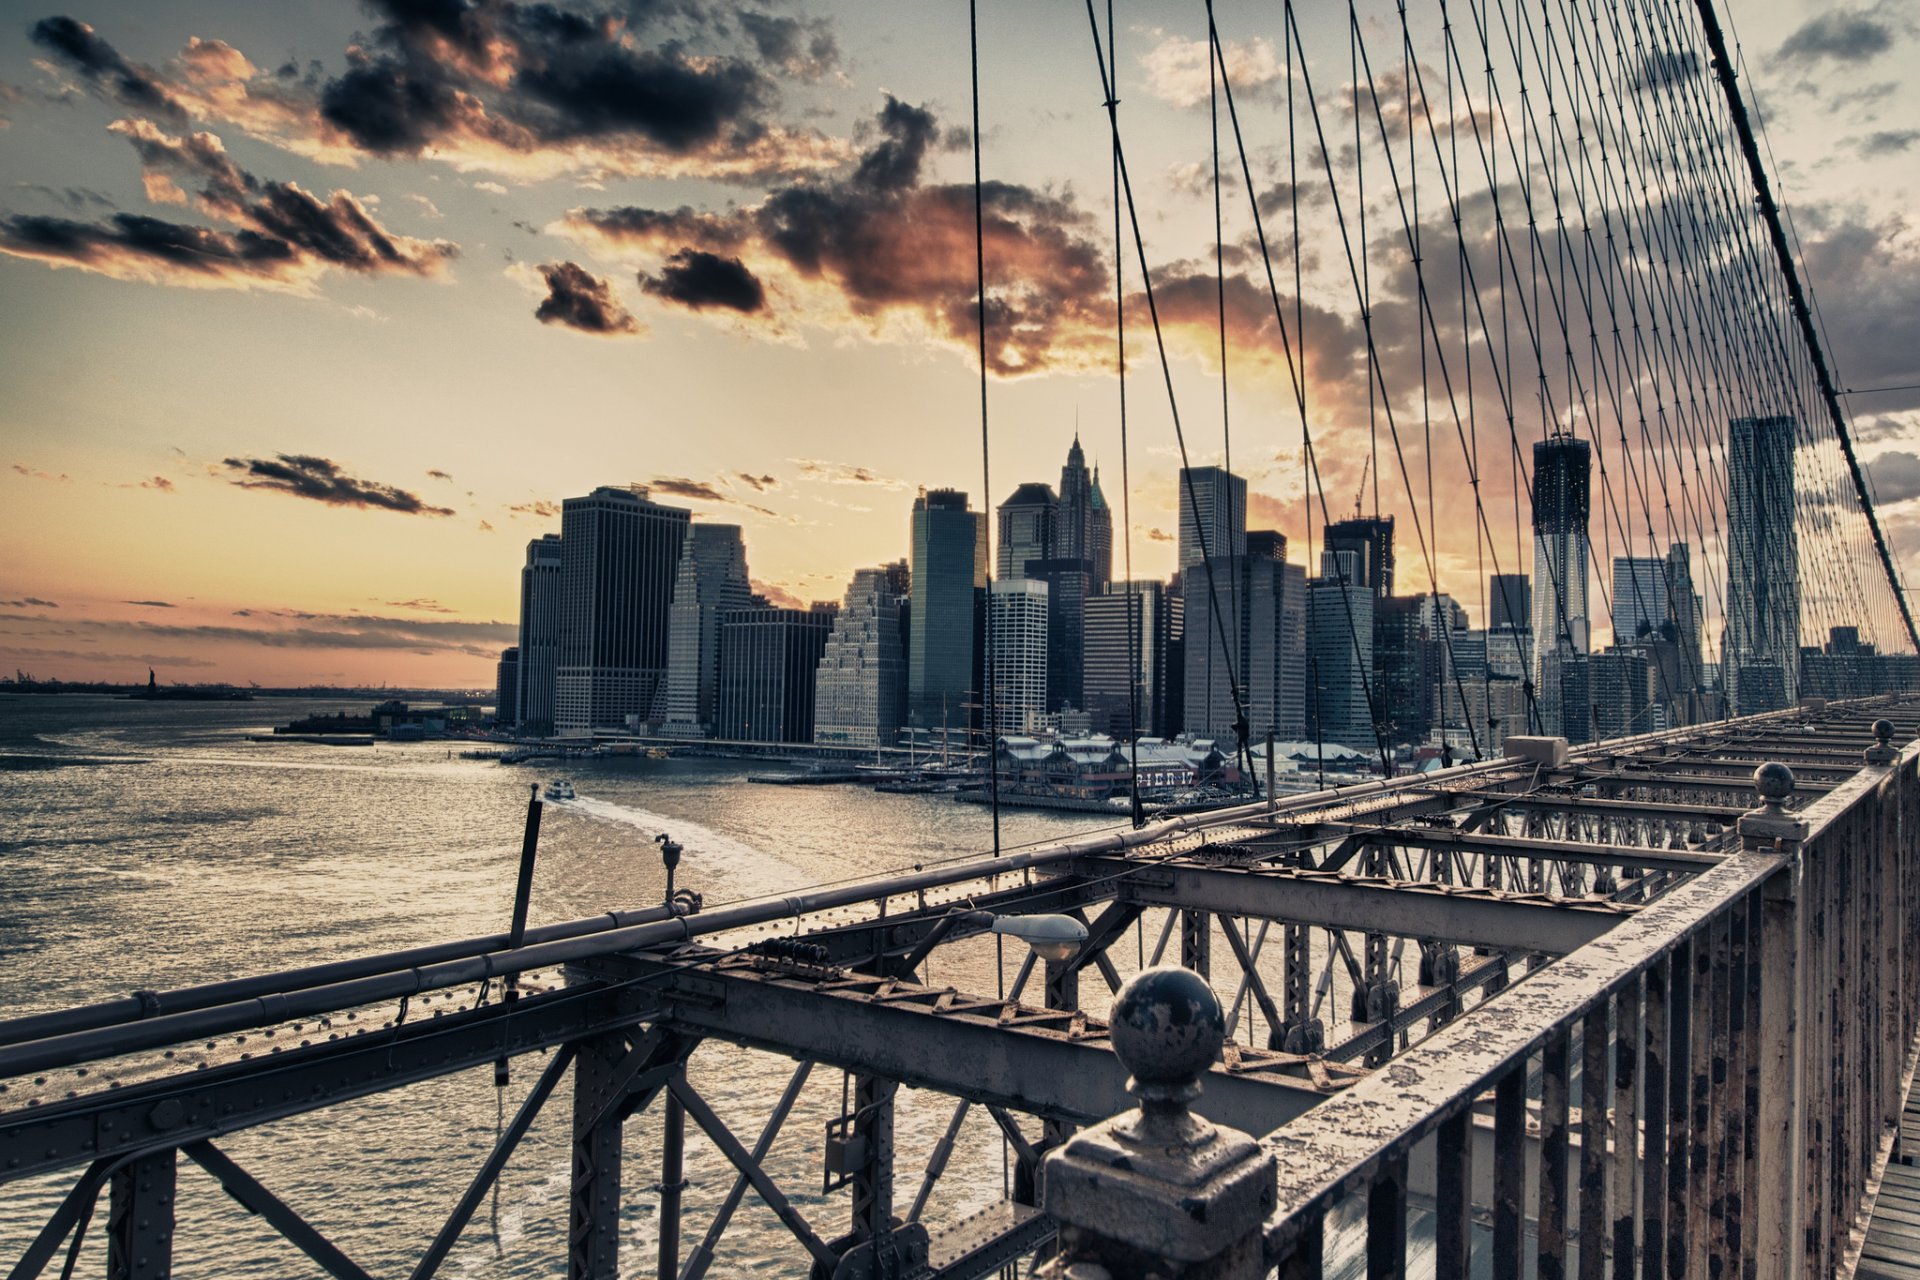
<point x="1045" y="1063"/>
<point x="1605" y="855"/>
<point x="205" y="1104"/>
<point x="1334" y="900"/>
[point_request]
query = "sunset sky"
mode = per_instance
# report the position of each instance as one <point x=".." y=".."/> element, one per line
<point x="314" y="313"/>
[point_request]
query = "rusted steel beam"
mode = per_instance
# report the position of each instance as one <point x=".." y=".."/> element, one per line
<point x="1046" y="1063"/>
<point x="1450" y="913"/>
<point x="1680" y="860"/>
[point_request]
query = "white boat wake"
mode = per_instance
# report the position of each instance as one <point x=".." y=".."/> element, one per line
<point x="752" y="872"/>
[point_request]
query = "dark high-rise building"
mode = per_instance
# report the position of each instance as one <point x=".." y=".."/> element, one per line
<point x="506" y="686"/>
<point x="768" y="661"/>
<point x="1509" y="601"/>
<point x="541" y="616"/>
<point x="860" y="695"/>
<point x="1370" y="539"/>
<point x="1069" y="586"/>
<point x="1213" y="518"/>
<point x="1407" y="662"/>
<point x="1340" y="653"/>
<point x="1027" y="521"/>
<point x="620" y="554"/>
<point x="1561" y="468"/>
<point x="1762" y="642"/>
<point x="711" y="579"/>
<point x="949" y="571"/>
<point x="1127" y="638"/>
<point x="1083" y="527"/>
<point x="1249" y="627"/>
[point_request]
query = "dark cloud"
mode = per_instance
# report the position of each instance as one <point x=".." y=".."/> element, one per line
<point x="161" y="483"/>
<point x="542" y="508"/>
<point x="286" y="235"/>
<point x="28" y="602"/>
<point x="842" y="473"/>
<point x="435" y="473"/>
<point x="1844" y="35"/>
<point x="760" y="484"/>
<point x="681" y="487"/>
<point x="703" y="491"/>
<point x="322" y="480"/>
<point x="149" y="604"/>
<point x="314" y="631"/>
<point x="79" y="49"/>
<point x="1889" y="142"/>
<point x="1666" y="69"/>
<point x="697" y="279"/>
<point x="423" y="606"/>
<point x="889" y="243"/>
<point x="163" y="660"/>
<point x="1896" y="476"/>
<point x="805" y="47"/>
<point x="1157" y="534"/>
<point x="581" y="300"/>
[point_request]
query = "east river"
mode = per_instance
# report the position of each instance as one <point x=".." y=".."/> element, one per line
<point x="152" y="845"/>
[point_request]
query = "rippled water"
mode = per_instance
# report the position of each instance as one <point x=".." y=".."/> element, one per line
<point x="153" y="846"/>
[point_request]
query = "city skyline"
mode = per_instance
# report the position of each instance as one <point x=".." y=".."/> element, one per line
<point x="312" y="472"/>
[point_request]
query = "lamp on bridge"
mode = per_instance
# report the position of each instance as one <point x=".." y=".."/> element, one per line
<point x="1053" y="938"/>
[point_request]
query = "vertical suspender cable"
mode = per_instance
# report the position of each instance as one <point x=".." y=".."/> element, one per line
<point x="986" y="471"/>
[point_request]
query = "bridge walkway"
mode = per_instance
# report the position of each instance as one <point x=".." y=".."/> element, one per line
<point x="1892" y="1247"/>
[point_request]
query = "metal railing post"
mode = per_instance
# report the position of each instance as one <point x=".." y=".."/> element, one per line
<point x="1160" y="1190"/>
<point x="1779" y="1218"/>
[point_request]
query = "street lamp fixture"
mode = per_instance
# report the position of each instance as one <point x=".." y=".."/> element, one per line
<point x="1053" y="938"/>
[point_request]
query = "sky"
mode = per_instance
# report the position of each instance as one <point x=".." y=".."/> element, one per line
<point x="315" y="313"/>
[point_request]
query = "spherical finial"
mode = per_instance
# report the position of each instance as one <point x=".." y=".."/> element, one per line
<point x="1883" y="730"/>
<point x="1167" y="1028"/>
<point x="1774" y="782"/>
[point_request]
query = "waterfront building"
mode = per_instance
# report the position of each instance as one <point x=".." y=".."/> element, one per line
<point x="1561" y="472"/>
<point x="949" y="571"/>
<point x="860" y="690"/>
<point x="1272" y="620"/>
<point x="768" y="660"/>
<point x="1340" y="653"/>
<point x="506" y="686"/>
<point x="1213" y="521"/>
<point x="541" y="612"/>
<point x="1762" y="642"/>
<point x="711" y="579"/>
<point x="1026" y="522"/>
<point x="1509" y="601"/>
<point x="620" y="554"/>
<point x="1017" y="631"/>
<point x="1128" y="631"/>
<point x="1370" y="539"/>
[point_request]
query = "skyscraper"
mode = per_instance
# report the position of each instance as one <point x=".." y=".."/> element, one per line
<point x="1371" y="541"/>
<point x="1561" y="467"/>
<point x="768" y="659"/>
<point x="1509" y="601"/>
<point x="1248" y="628"/>
<point x="1340" y="653"/>
<point x="1639" y="598"/>
<point x="1126" y="659"/>
<point x="1213" y="519"/>
<point x="1763" y="567"/>
<point x="540" y="621"/>
<point x="506" y="686"/>
<point x="712" y="577"/>
<point x="1019" y="638"/>
<point x="949" y="575"/>
<point x="860" y="694"/>
<point x="1027" y="520"/>
<point x="620" y="554"/>
<point x="1083" y="527"/>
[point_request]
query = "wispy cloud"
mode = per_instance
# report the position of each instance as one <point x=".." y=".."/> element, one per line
<point x="150" y="604"/>
<point x="34" y="473"/>
<point x="322" y="480"/>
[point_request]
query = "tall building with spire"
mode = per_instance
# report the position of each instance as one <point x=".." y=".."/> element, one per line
<point x="1083" y="526"/>
<point x="712" y="577"/>
<point x="1562" y="467"/>
<point x="1762" y="650"/>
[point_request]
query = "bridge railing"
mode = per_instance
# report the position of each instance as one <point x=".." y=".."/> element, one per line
<point x="1708" y="1088"/>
